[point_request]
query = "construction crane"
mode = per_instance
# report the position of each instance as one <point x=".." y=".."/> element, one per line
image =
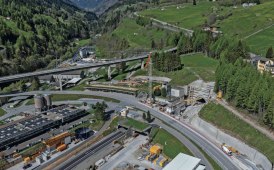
<point x="149" y="65"/>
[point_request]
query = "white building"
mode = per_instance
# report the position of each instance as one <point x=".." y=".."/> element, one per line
<point x="124" y="112"/>
<point x="177" y="92"/>
<point x="184" y="162"/>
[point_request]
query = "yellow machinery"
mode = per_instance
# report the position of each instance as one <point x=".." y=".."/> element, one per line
<point x="151" y="157"/>
<point x="15" y="155"/>
<point x="155" y="149"/>
<point x="233" y="150"/>
<point x="157" y="87"/>
<point x="154" y="153"/>
<point x="147" y="157"/>
<point x="56" y="140"/>
<point x="161" y="161"/>
<point x="27" y="160"/>
<point x="32" y="157"/>
<point x="220" y="95"/>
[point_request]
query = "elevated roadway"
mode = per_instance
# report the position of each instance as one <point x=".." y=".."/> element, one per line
<point x="63" y="70"/>
<point x="82" y="67"/>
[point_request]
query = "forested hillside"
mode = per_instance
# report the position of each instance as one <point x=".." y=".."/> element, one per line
<point x="245" y="87"/>
<point x="34" y="32"/>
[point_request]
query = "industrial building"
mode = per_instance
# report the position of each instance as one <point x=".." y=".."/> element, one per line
<point x="58" y="142"/>
<point x="184" y="162"/>
<point x="42" y="102"/>
<point x="15" y="132"/>
<point x="177" y="92"/>
<point x="24" y="129"/>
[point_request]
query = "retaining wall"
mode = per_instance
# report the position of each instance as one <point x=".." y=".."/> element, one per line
<point x="220" y="137"/>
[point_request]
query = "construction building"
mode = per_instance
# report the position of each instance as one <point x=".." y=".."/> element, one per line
<point x="184" y="162"/>
<point x="58" y="142"/>
<point x="177" y="92"/>
<point x="15" y="132"/>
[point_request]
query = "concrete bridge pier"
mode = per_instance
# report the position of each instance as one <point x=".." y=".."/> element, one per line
<point x="142" y="64"/>
<point x="60" y="82"/>
<point x="109" y="72"/>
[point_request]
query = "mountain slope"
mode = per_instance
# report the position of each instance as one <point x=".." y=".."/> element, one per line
<point x="34" y="32"/>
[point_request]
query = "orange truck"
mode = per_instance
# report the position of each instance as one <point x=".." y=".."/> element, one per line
<point x="61" y="147"/>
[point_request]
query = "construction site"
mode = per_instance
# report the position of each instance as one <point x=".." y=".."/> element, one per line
<point x="149" y="89"/>
<point x="139" y="153"/>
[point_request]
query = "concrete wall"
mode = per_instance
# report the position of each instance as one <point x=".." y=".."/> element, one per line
<point x="220" y="137"/>
<point x="3" y="51"/>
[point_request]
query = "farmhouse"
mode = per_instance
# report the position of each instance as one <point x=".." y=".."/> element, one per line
<point x="265" y="64"/>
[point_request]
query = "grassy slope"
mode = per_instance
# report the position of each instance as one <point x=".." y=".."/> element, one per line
<point x="172" y="146"/>
<point x="97" y="125"/>
<point x="225" y="120"/>
<point x="182" y="17"/>
<point x="2" y="112"/>
<point x="83" y="42"/>
<point x="12" y="25"/>
<point x="31" y="150"/>
<point x="180" y="77"/>
<point x="65" y="97"/>
<point x="128" y="27"/>
<point x="259" y="43"/>
<point x="135" y="124"/>
<point x="243" y="22"/>
<point x="246" y="21"/>
<point x="201" y="65"/>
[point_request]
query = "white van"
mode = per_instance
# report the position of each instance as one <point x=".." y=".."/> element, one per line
<point x="100" y="163"/>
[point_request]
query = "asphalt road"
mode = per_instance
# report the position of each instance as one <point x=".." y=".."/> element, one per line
<point x="208" y="146"/>
<point x="94" y="149"/>
<point x="196" y="152"/>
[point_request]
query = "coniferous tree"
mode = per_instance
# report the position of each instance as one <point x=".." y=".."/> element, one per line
<point x="164" y="92"/>
<point x="269" y="115"/>
<point x="148" y="116"/>
<point x="269" y="53"/>
<point x="144" y="116"/>
<point x="153" y="44"/>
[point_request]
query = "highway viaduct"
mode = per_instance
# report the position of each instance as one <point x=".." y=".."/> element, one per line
<point x="15" y="77"/>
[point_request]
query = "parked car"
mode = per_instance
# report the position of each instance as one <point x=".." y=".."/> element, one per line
<point x="27" y="166"/>
<point x="140" y="158"/>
